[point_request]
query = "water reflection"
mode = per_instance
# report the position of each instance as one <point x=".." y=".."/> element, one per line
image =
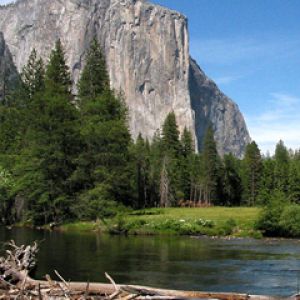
<point x="256" y="267"/>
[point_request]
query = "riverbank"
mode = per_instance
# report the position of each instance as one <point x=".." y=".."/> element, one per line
<point x="211" y="221"/>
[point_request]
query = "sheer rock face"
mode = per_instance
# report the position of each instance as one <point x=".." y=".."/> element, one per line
<point x="147" y="51"/>
<point x="8" y="72"/>
<point x="214" y="108"/>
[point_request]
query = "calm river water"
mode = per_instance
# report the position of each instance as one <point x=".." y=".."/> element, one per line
<point x="258" y="267"/>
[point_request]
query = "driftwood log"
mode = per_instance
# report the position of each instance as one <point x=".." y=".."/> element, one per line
<point x="16" y="283"/>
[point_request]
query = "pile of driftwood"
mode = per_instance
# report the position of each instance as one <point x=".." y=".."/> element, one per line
<point x="16" y="283"/>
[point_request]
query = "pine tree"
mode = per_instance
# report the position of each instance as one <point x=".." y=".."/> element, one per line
<point x="155" y="158"/>
<point x="232" y="181"/>
<point x="170" y="136"/>
<point x="33" y="76"/>
<point x="210" y="165"/>
<point x="47" y="162"/>
<point x="281" y="171"/>
<point x="104" y="163"/>
<point x="197" y="191"/>
<point x="11" y="127"/>
<point x="187" y="143"/>
<point x="188" y="149"/>
<point x="294" y="184"/>
<point x="252" y="173"/>
<point x="267" y="182"/>
<point x="94" y="79"/>
<point x="141" y="155"/>
<point x="58" y="79"/>
<point x="13" y="113"/>
<point x="107" y="139"/>
<point x="172" y="157"/>
<point x="16" y="117"/>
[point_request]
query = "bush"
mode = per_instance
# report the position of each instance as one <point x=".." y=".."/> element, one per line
<point x="170" y="224"/>
<point x="96" y="204"/>
<point x="228" y="227"/>
<point x="185" y="227"/>
<point x="269" y="220"/>
<point x="290" y="221"/>
<point x="136" y="224"/>
<point x="205" y="223"/>
<point x="189" y="229"/>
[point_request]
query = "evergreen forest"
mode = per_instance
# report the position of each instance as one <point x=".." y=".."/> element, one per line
<point x="67" y="157"/>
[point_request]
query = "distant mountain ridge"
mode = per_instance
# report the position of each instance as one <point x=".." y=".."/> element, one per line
<point x="147" y="51"/>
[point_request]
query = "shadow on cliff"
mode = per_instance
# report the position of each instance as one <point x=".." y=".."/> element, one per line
<point x="9" y="76"/>
<point x="201" y="93"/>
<point x="212" y="107"/>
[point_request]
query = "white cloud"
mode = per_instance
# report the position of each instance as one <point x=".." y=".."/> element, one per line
<point x="281" y="121"/>
<point x="282" y="108"/>
<point x="226" y="79"/>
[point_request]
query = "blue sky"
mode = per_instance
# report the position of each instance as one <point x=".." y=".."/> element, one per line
<point x="252" y="50"/>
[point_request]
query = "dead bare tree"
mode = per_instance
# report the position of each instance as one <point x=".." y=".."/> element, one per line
<point x="164" y="189"/>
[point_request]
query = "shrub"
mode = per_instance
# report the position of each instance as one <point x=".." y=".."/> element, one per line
<point x="96" y="204"/>
<point x="228" y="227"/>
<point x="170" y="224"/>
<point x="205" y="223"/>
<point x="290" y="221"/>
<point x="118" y="225"/>
<point x="269" y="219"/>
<point x="189" y="229"/>
<point x="136" y="224"/>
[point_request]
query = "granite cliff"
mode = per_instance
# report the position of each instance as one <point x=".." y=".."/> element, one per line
<point x="212" y="107"/>
<point x="147" y="50"/>
<point x="8" y="72"/>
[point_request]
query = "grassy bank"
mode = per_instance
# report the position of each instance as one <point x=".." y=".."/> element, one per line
<point x="212" y="221"/>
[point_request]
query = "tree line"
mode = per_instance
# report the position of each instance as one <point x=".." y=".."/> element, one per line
<point x="66" y="156"/>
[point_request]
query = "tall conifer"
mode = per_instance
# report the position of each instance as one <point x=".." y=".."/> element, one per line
<point x="47" y="162"/>
<point x="232" y="181"/>
<point x="58" y="78"/>
<point x="33" y="75"/>
<point x="186" y="177"/>
<point x="171" y="159"/>
<point x="252" y="173"/>
<point x="142" y="152"/>
<point x="170" y="136"/>
<point x="267" y="182"/>
<point x="210" y="165"/>
<point x="104" y="163"/>
<point x="281" y="171"/>
<point x="94" y="79"/>
<point x="294" y="183"/>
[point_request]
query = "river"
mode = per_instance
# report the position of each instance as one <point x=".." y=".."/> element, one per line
<point x="249" y="266"/>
